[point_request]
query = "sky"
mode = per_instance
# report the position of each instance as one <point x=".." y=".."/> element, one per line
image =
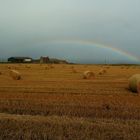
<point x="81" y="31"/>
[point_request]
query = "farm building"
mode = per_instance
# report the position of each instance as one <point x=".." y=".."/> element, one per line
<point x="44" y="59"/>
<point x="20" y="59"/>
<point x="52" y="60"/>
<point x="58" y="61"/>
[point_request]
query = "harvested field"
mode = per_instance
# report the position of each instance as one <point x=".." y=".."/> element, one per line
<point x="52" y="102"/>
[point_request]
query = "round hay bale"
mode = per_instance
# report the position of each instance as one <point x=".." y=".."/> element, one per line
<point x="8" y="67"/>
<point x="51" y="67"/>
<point x="15" y="75"/>
<point x="88" y="75"/>
<point x="28" y="67"/>
<point x="46" y="68"/>
<point x="134" y="83"/>
<point x="102" y="71"/>
<point x="74" y="70"/>
<point x="107" y="67"/>
<point x="16" y="68"/>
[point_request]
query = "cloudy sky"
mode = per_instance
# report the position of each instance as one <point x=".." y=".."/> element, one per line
<point x="82" y="31"/>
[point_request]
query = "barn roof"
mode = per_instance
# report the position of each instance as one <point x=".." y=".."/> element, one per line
<point x="20" y="57"/>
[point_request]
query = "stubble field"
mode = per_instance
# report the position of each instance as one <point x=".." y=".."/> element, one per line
<point x="55" y="102"/>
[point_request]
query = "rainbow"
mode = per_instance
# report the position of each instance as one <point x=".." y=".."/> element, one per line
<point x="90" y="43"/>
